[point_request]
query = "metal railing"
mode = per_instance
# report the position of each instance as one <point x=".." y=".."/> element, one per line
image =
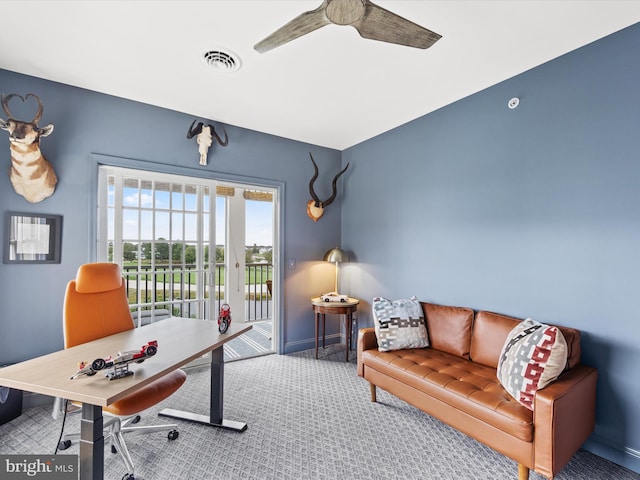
<point x="172" y="290"/>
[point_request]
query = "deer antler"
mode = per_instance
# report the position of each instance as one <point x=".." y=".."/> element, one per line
<point x="330" y="200"/>
<point x="316" y="199"/>
<point x="214" y="134"/>
<point x="5" y="103"/>
<point x="313" y="179"/>
<point x="38" y="115"/>
<point x="192" y="132"/>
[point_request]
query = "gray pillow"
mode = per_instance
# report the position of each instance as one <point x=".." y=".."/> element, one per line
<point x="399" y="324"/>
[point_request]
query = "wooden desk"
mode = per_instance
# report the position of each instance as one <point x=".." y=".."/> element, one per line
<point x="345" y="309"/>
<point x="180" y="340"/>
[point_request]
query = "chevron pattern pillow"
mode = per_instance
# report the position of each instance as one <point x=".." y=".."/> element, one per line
<point x="399" y="324"/>
<point x="533" y="355"/>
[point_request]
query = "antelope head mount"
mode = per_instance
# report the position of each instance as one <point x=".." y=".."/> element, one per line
<point x="315" y="207"/>
<point x="205" y="135"/>
<point x="31" y="175"/>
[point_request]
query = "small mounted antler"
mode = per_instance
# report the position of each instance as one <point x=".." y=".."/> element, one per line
<point x="315" y="207"/>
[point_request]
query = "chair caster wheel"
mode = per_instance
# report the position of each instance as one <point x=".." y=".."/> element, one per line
<point x="114" y="449"/>
<point x="63" y="445"/>
<point x="173" y="434"/>
<point x="128" y="476"/>
<point x="136" y="419"/>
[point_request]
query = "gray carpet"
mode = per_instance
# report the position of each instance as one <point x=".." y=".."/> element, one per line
<point x="308" y="419"/>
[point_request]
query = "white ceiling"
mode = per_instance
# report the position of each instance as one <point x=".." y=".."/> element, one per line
<point x="330" y="88"/>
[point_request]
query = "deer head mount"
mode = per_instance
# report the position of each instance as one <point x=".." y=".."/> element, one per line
<point x="31" y="175"/>
<point x="205" y="134"/>
<point x="315" y="207"/>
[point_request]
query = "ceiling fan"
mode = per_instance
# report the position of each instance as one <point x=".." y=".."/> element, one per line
<point x="370" y="20"/>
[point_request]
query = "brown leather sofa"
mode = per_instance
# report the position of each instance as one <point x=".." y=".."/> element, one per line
<point x="455" y="380"/>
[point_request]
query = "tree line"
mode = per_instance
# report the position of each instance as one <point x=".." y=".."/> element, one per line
<point x="164" y="251"/>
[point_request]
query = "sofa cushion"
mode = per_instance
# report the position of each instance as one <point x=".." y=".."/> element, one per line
<point x="533" y="355"/>
<point x="449" y="328"/>
<point x="399" y="324"/>
<point x="490" y="331"/>
<point x="469" y="387"/>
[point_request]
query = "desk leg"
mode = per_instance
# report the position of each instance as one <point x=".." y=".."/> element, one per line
<point x="91" y="443"/>
<point x="216" y="399"/>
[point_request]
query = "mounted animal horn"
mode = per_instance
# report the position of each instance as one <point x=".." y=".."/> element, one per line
<point x="31" y="175"/>
<point x="315" y="207"/>
<point x="205" y="134"/>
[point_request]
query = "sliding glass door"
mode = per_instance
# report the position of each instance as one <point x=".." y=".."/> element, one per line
<point x="186" y="245"/>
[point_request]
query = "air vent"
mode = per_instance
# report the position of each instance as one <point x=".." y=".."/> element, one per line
<point x="221" y="60"/>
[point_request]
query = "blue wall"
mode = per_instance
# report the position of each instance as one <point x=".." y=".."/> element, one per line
<point x="532" y="212"/>
<point x="87" y="122"/>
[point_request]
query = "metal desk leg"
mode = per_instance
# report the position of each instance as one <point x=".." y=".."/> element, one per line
<point x="91" y="443"/>
<point x="216" y="399"/>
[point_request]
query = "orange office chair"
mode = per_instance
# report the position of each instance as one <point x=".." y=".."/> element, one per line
<point x="95" y="306"/>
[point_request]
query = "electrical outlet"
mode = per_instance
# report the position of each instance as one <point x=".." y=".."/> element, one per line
<point x="292" y="263"/>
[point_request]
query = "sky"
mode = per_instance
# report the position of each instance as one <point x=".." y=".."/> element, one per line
<point x="259" y="223"/>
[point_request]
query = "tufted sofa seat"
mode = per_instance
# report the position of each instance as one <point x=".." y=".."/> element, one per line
<point x="455" y="381"/>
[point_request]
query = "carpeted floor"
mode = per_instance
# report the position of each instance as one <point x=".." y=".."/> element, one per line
<point x="307" y="419"/>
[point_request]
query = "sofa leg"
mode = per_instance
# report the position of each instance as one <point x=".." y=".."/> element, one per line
<point x="372" y="387"/>
<point x="523" y="472"/>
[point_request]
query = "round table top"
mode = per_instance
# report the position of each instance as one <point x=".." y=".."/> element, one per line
<point x="349" y="302"/>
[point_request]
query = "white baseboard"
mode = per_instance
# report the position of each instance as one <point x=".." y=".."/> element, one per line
<point x="622" y="455"/>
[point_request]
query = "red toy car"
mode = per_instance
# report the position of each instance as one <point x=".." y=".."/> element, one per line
<point x="119" y="363"/>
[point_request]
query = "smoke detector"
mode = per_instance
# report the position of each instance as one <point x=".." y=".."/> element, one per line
<point x="221" y="60"/>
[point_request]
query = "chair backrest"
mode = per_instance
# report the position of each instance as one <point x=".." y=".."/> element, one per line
<point x="95" y="304"/>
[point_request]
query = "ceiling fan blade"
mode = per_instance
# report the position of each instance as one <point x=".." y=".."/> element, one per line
<point x="380" y="24"/>
<point x="301" y="25"/>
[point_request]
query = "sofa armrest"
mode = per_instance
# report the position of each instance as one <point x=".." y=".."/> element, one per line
<point x="564" y="417"/>
<point x="366" y="341"/>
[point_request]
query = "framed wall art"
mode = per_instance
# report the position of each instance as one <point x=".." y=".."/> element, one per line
<point x="32" y="238"/>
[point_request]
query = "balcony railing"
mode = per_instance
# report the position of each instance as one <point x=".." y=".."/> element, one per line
<point x="172" y="289"/>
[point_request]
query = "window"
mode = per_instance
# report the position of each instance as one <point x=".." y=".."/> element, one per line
<point x="160" y="229"/>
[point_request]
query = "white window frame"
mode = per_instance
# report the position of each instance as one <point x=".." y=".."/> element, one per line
<point x="102" y="237"/>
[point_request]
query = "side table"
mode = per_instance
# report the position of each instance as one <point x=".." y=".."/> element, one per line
<point x="345" y="309"/>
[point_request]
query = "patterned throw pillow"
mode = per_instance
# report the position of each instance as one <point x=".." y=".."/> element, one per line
<point x="533" y="355"/>
<point x="399" y="324"/>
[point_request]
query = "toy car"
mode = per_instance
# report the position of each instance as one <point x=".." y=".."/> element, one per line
<point x="224" y="318"/>
<point x="119" y="363"/>
<point x="334" y="297"/>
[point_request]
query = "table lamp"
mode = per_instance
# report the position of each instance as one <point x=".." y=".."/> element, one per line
<point x="335" y="255"/>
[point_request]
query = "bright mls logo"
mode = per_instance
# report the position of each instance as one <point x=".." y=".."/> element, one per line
<point x="50" y="467"/>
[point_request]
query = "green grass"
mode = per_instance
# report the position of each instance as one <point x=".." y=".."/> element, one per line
<point x="162" y="296"/>
<point x="252" y="276"/>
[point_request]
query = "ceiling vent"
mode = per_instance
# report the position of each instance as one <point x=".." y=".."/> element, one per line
<point x="221" y="60"/>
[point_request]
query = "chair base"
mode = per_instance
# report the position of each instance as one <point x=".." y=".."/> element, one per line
<point x="115" y="428"/>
